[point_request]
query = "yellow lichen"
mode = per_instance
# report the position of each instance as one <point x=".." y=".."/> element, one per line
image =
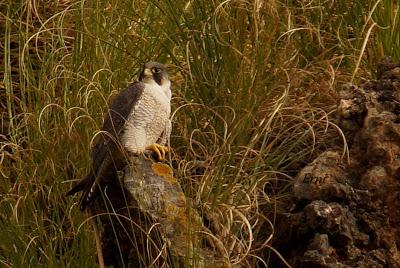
<point x="181" y="199"/>
<point x="171" y="212"/>
<point x="175" y="213"/>
<point x="164" y="171"/>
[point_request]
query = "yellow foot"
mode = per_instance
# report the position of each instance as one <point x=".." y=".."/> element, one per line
<point x="159" y="150"/>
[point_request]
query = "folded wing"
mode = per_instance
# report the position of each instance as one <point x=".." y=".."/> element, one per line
<point x="108" y="154"/>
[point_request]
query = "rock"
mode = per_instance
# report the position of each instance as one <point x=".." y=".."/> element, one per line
<point x="323" y="179"/>
<point x="351" y="110"/>
<point x="374" y="178"/>
<point x="320" y="253"/>
<point x="385" y="69"/>
<point x="347" y="214"/>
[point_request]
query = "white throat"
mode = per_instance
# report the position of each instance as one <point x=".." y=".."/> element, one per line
<point x="161" y="93"/>
<point x="165" y="88"/>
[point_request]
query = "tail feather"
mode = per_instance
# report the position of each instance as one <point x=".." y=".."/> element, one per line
<point x="80" y="186"/>
<point x="89" y="195"/>
<point x="99" y="176"/>
<point x="89" y="188"/>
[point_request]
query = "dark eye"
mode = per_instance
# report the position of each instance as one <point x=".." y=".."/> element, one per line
<point x="156" y="70"/>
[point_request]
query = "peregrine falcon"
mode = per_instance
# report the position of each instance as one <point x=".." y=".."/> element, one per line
<point x="137" y="121"/>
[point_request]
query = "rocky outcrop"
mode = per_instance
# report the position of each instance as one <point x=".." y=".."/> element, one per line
<point x="149" y="215"/>
<point x="347" y="207"/>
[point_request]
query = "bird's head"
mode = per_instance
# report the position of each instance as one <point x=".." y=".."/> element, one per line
<point x="155" y="72"/>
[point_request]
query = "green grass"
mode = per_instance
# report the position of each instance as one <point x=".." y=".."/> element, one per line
<point x="254" y="87"/>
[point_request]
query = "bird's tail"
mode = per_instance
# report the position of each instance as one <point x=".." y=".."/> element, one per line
<point x="88" y="186"/>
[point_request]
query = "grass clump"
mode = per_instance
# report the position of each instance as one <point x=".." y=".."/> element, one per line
<point x="254" y="87"/>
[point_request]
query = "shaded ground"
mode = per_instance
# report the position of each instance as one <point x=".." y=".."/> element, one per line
<point x="346" y="211"/>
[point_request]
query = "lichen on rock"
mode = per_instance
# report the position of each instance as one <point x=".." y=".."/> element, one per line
<point x="150" y="196"/>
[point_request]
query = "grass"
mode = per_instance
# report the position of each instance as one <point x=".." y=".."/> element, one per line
<point x="254" y="88"/>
